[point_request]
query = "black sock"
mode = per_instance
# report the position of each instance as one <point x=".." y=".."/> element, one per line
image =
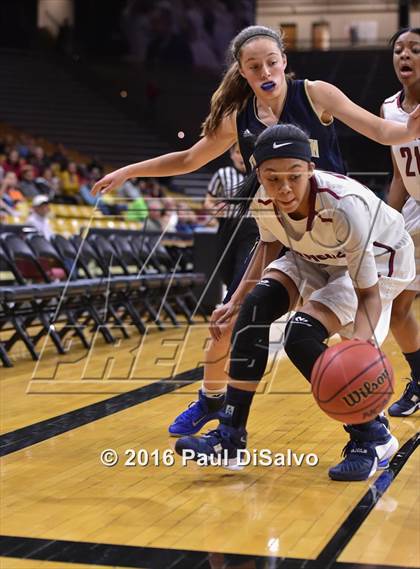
<point x="238" y="405"/>
<point x="215" y="402"/>
<point x="364" y="426"/>
<point x="413" y="360"/>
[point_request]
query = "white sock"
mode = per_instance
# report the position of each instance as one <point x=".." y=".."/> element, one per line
<point x="213" y="393"/>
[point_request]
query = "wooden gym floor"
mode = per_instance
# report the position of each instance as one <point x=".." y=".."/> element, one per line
<point x="61" y="508"/>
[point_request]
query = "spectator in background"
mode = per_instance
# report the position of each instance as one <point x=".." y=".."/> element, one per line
<point x="60" y="156"/>
<point x="10" y="190"/>
<point x="137" y="209"/>
<point x="27" y="185"/>
<point x="154" y="220"/>
<point x="24" y="145"/>
<point x="170" y="215"/>
<point x="187" y="220"/>
<point x="48" y="183"/>
<point x="153" y="189"/>
<point x="129" y="190"/>
<point x="70" y="182"/>
<point x="13" y="162"/>
<point x="38" y="218"/>
<point x="6" y="204"/>
<point x="95" y="163"/>
<point x="85" y="195"/>
<point x="39" y="161"/>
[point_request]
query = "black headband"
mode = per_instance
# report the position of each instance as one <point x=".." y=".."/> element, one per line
<point x="256" y="34"/>
<point x="300" y="149"/>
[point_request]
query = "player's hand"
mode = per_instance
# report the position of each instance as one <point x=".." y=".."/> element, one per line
<point x="221" y="318"/>
<point x="413" y="123"/>
<point x="109" y="182"/>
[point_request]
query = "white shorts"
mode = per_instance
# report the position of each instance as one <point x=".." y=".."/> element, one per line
<point x="332" y="286"/>
<point x="411" y="214"/>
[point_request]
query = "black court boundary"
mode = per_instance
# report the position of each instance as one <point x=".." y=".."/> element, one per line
<point x="127" y="556"/>
<point x="152" y="558"/>
<point x="44" y="430"/>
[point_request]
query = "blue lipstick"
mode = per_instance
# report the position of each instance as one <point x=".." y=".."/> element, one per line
<point x="268" y="85"/>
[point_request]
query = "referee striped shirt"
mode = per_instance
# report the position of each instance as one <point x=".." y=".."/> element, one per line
<point x="223" y="185"/>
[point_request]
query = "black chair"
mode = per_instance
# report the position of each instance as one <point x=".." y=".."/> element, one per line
<point x="182" y="283"/>
<point x="79" y="257"/>
<point x="137" y="297"/>
<point x="119" y="287"/>
<point x="25" y="303"/>
<point x="157" y="284"/>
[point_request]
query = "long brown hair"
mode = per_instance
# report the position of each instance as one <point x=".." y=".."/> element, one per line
<point x="234" y="90"/>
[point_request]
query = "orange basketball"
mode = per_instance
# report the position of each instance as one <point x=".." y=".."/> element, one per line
<point x="352" y="381"/>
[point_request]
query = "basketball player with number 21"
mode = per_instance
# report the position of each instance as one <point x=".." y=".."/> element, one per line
<point x="404" y="195"/>
<point x="349" y="255"/>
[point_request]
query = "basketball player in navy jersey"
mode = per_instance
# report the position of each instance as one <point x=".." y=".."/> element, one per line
<point x="349" y="255"/>
<point x="404" y="195"/>
<point x="254" y="94"/>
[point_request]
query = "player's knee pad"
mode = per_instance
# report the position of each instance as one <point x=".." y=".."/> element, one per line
<point x="304" y="341"/>
<point x="250" y="338"/>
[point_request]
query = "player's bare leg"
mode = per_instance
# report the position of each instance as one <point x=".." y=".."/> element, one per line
<point x="211" y="396"/>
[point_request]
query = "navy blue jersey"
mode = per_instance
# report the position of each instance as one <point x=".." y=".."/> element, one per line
<point x="298" y="111"/>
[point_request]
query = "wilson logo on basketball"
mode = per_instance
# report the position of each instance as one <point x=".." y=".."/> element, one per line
<point x="369" y="387"/>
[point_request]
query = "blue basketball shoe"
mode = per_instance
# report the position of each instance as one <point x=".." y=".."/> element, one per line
<point x="198" y="413"/>
<point x="219" y="447"/>
<point x="408" y="403"/>
<point x="368" y="449"/>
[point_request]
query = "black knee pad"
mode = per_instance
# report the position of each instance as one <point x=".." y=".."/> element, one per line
<point x="304" y="341"/>
<point x="250" y="338"/>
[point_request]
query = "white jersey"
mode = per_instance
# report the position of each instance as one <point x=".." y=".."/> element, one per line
<point x="348" y="225"/>
<point x="407" y="155"/>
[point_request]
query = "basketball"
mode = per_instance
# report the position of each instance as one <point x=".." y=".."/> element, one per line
<point x="352" y="382"/>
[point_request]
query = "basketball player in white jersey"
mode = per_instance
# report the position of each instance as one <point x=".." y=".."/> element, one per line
<point x="404" y="195"/>
<point x="349" y="255"/>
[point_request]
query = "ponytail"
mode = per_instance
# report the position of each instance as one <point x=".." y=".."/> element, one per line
<point x="231" y="95"/>
<point x="244" y="194"/>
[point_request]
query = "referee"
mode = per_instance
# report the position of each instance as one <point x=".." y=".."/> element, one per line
<point x="236" y="236"/>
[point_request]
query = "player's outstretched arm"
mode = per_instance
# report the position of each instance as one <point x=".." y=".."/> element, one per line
<point x="329" y="99"/>
<point x="175" y="163"/>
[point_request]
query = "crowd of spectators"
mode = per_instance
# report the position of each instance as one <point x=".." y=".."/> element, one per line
<point x="31" y="177"/>
<point x="27" y="171"/>
<point x="184" y="32"/>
